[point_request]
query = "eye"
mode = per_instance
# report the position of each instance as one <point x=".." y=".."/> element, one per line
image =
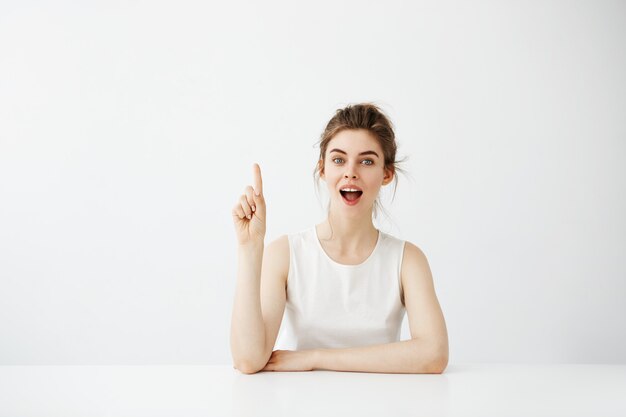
<point x="369" y="162"/>
<point x="337" y="159"/>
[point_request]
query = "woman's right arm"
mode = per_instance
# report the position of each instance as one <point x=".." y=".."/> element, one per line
<point x="247" y="333"/>
<point x="260" y="289"/>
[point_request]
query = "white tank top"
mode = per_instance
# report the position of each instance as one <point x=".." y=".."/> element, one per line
<point x="332" y="305"/>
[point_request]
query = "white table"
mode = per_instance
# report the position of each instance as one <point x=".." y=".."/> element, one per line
<point x="463" y="390"/>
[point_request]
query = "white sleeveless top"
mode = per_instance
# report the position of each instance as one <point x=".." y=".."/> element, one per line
<point x="332" y="305"/>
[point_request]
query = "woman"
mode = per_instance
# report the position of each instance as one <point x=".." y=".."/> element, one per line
<point x="345" y="285"/>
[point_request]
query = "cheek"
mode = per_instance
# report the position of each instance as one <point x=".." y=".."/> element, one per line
<point x="331" y="172"/>
<point x="373" y="176"/>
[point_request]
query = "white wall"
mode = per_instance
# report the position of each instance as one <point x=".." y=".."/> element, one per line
<point x="127" y="132"/>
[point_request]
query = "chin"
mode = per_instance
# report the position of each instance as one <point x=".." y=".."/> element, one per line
<point x="353" y="210"/>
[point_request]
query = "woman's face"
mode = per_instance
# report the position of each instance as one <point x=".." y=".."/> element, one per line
<point x="354" y="161"/>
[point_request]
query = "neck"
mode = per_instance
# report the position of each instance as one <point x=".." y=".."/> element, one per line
<point x="351" y="232"/>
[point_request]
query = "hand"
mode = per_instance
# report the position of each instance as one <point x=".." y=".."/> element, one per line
<point x="249" y="212"/>
<point x="291" y="360"/>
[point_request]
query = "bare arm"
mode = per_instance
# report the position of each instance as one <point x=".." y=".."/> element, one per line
<point x="415" y="356"/>
<point x="260" y="289"/>
<point x="259" y="304"/>
<point x="247" y="337"/>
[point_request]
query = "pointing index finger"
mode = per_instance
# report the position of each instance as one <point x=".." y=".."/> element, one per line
<point x="258" y="181"/>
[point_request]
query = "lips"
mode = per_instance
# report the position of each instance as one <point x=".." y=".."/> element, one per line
<point x="351" y="194"/>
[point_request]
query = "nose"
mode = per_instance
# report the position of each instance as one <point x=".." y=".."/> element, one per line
<point x="350" y="171"/>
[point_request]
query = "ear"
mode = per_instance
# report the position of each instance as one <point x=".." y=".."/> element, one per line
<point x="320" y="167"/>
<point x="389" y="174"/>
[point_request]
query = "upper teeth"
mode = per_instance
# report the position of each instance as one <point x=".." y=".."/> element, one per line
<point x="349" y="189"/>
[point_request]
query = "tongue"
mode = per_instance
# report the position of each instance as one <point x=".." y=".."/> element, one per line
<point x="351" y="196"/>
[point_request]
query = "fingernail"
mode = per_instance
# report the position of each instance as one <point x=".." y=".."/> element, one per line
<point x="253" y="208"/>
<point x="249" y="216"/>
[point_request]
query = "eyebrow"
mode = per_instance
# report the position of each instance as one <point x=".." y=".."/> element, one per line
<point x="362" y="153"/>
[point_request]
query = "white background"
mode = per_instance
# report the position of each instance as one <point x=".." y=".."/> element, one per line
<point x="128" y="130"/>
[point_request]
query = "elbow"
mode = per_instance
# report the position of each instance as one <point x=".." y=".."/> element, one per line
<point x="439" y="361"/>
<point x="436" y="361"/>
<point x="438" y="365"/>
<point x="248" y="367"/>
<point x="249" y="362"/>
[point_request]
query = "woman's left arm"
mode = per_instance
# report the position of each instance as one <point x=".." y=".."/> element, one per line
<point x="425" y="352"/>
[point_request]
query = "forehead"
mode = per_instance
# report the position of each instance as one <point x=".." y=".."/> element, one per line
<point x="354" y="142"/>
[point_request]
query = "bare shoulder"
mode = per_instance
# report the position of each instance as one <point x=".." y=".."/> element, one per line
<point x="413" y="256"/>
<point x="279" y="247"/>
<point x="415" y="264"/>
<point x="276" y="257"/>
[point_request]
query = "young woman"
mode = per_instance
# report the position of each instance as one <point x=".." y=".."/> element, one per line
<point x="344" y="285"/>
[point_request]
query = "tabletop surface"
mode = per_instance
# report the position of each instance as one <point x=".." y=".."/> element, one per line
<point x="462" y="390"/>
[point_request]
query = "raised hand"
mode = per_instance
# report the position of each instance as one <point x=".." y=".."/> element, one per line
<point x="249" y="212"/>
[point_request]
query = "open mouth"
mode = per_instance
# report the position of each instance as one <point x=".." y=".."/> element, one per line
<point x="351" y="197"/>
